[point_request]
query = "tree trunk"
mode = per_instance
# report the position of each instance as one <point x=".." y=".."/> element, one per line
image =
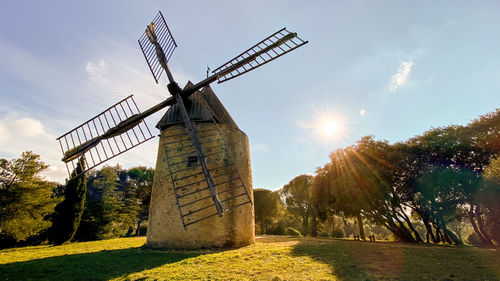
<point x="452" y="236"/>
<point x="410" y="225"/>
<point x="446" y="237"/>
<point x="392" y="227"/>
<point x="305" y="225"/>
<point x="480" y="223"/>
<point x="482" y="237"/>
<point x="138" y="227"/>
<point x="438" y="234"/>
<point x="314" y="226"/>
<point x="332" y="222"/>
<point x="474" y="225"/>
<point x="429" y="231"/>
<point x="361" y="227"/>
<point x="404" y="230"/>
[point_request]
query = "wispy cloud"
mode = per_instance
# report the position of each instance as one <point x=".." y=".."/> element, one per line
<point x="22" y="134"/>
<point x="401" y="75"/>
<point x="98" y="71"/>
<point x="259" y="148"/>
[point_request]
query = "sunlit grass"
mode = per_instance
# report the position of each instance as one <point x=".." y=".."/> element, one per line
<point x="271" y="258"/>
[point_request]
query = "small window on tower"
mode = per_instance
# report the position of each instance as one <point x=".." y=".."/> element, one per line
<point x="192" y="161"/>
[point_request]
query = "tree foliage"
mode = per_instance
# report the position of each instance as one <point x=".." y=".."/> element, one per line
<point x="117" y="202"/>
<point x="297" y="196"/>
<point x="443" y="176"/>
<point x="68" y="213"/>
<point x="26" y="200"/>
<point x="266" y="206"/>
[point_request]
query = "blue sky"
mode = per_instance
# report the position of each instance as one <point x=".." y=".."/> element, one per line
<point x="392" y="69"/>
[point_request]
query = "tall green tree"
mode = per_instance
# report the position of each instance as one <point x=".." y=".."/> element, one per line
<point x="266" y="205"/>
<point x="68" y="213"/>
<point x="298" y="199"/>
<point x="103" y="218"/>
<point x="137" y="184"/>
<point x="117" y="202"/>
<point x="26" y="200"/>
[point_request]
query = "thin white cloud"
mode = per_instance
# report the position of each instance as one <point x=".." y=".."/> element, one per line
<point x="28" y="127"/>
<point x="362" y="112"/>
<point x="259" y="148"/>
<point x="4" y="134"/>
<point x="97" y="70"/>
<point x="401" y="76"/>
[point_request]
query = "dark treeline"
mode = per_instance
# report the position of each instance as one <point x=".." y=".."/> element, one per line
<point x="106" y="203"/>
<point x="426" y="189"/>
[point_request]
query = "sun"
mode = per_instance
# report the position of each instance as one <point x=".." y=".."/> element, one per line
<point x="330" y="127"/>
<point x="325" y="126"/>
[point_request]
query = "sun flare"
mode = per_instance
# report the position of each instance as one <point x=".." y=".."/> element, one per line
<point x="330" y="127"/>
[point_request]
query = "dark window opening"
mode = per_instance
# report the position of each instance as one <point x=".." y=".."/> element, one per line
<point x="192" y="161"/>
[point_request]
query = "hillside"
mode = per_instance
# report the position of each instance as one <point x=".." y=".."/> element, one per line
<point x="271" y="258"/>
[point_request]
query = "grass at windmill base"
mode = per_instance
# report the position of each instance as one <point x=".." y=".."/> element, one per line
<point x="270" y="258"/>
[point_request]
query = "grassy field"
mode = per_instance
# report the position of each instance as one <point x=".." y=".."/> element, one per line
<point x="270" y="258"/>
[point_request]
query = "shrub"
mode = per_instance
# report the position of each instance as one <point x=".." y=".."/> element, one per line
<point x="338" y="233"/>
<point x="323" y="234"/>
<point x="473" y="239"/>
<point x="292" y="231"/>
<point x="278" y="229"/>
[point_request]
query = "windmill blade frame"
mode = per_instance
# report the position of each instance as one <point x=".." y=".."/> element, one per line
<point x="272" y="47"/>
<point x="112" y="132"/>
<point x="165" y="41"/>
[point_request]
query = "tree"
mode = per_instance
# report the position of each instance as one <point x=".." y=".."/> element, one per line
<point x="298" y="199"/>
<point x="117" y="202"/>
<point x="26" y="200"/>
<point x="488" y="198"/>
<point x="361" y="180"/>
<point x="266" y="207"/>
<point x="102" y="218"/>
<point x="137" y="185"/>
<point x="67" y="214"/>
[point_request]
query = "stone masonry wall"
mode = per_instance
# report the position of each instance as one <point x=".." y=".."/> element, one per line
<point x="235" y="228"/>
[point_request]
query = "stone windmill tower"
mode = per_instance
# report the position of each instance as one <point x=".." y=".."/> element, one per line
<point x="180" y="195"/>
<point x="202" y="191"/>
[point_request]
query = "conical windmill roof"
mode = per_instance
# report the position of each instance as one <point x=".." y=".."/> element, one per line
<point x="201" y="106"/>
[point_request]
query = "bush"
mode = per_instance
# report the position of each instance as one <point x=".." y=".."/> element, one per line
<point x="278" y="228"/>
<point x="338" y="233"/>
<point x="323" y="234"/>
<point x="473" y="239"/>
<point x="292" y="231"/>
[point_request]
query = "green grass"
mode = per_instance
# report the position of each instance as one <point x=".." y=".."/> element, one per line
<point x="271" y="258"/>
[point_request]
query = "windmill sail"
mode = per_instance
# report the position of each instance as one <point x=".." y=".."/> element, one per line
<point x="162" y="35"/>
<point x="271" y="48"/>
<point x="109" y="134"/>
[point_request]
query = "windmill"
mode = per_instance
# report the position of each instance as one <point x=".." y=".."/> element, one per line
<point x="201" y="148"/>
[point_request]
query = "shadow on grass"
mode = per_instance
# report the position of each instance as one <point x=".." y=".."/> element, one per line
<point x="334" y="253"/>
<point x="355" y="260"/>
<point x="102" y="265"/>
